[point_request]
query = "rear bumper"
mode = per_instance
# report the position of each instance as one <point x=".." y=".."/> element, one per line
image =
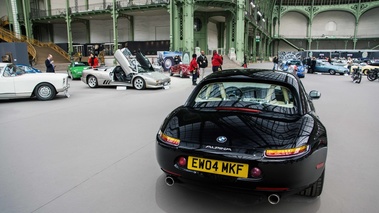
<point x="282" y="177"/>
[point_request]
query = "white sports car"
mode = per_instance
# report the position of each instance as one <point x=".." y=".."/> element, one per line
<point x="133" y="71"/>
<point x="16" y="83"/>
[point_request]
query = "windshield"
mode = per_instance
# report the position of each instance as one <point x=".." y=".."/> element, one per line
<point x="81" y="64"/>
<point x="246" y="96"/>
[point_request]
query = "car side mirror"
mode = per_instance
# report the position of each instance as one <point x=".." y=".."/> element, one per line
<point x="314" y="94"/>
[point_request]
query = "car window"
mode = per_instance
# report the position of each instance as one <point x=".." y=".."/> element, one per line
<point x="250" y="95"/>
<point x="12" y="70"/>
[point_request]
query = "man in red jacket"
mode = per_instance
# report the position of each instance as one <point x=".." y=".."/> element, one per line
<point x="216" y="61"/>
<point x="193" y="67"/>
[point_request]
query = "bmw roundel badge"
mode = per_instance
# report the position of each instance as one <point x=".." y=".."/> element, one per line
<point x="221" y="139"/>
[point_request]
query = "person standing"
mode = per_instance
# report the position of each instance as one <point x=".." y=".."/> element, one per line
<point x="93" y="61"/>
<point x="313" y="64"/>
<point x="50" y="64"/>
<point x="203" y="63"/>
<point x="276" y="61"/>
<point x="193" y="67"/>
<point x="216" y="61"/>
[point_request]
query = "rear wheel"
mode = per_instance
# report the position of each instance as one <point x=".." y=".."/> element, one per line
<point x="315" y="189"/>
<point x="45" y="92"/>
<point x="371" y="75"/>
<point x="92" y="81"/>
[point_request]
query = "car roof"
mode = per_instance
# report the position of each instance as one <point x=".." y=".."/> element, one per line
<point x="279" y="77"/>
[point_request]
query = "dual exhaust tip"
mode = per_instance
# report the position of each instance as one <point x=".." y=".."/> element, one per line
<point x="272" y="198"/>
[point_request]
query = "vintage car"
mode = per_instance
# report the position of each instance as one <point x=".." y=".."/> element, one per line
<point x="368" y="67"/>
<point x="326" y="67"/>
<point x="132" y="71"/>
<point x="290" y="65"/>
<point x="180" y="69"/>
<point x="75" y="69"/>
<point x="28" y="68"/>
<point x="16" y="83"/>
<point x="248" y="130"/>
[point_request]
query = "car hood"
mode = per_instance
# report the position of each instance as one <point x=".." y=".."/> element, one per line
<point x="44" y="75"/>
<point x="241" y="131"/>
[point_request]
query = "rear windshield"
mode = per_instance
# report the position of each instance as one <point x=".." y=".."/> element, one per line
<point x="263" y="97"/>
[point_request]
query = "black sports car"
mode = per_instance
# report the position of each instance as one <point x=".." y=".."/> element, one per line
<point x="253" y="130"/>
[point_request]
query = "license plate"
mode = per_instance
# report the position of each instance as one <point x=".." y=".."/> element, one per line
<point x="218" y="167"/>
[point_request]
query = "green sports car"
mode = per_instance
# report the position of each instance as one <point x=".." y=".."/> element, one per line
<point x="75" y="69"/>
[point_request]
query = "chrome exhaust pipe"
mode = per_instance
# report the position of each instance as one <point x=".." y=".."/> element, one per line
<point x="169" y="181"/>
<point x="273" y="199"/>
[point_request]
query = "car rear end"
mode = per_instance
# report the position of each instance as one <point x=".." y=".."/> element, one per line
<point x="257" y="147"/>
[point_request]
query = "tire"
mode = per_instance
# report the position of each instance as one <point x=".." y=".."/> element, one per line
<point x="359" y="78"/>
<point x="168" y="62"/>
<point x="92" y="81"/>
<point x="45" y="92"/>
<point x="139" y="83"/>
<point x="371" y="75"/>
<point x="366" y="71"/>
<point x="315" y="189"/>
<point x="332" y="72"/>
<point x="71" y="76"/>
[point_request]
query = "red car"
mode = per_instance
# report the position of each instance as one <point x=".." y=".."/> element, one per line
<point x="180" y="69"/>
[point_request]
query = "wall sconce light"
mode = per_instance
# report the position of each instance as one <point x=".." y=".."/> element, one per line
<point x="252" y="4"/>
<point x="259" y="13"/>
<point x="263" y="20"/>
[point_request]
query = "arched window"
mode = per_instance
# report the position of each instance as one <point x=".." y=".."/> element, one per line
<point x="331" y="26"/>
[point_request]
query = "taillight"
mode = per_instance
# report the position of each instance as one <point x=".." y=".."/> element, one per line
<point x="167" y="139"/>
<point x="284" y="153"/>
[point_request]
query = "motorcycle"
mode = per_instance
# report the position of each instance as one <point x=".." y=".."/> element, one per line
<point x="373" y="74"/>
<point x="357" y="75"/>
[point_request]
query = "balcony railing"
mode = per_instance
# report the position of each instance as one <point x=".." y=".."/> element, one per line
<point x="94" y="7"/>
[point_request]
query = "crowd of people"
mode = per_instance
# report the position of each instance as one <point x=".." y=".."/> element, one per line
<point x="198" y="64"/>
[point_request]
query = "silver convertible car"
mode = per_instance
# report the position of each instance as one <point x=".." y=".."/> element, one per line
<point x="132" y="71"/>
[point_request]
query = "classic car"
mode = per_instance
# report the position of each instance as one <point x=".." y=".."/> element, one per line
<point x="248" y="130"/>
<point x="290" y="65"/>
<point x="367" y="67"/>
<point x="28" y="68"/>
<point x="132" y="71"/>
<point x="326" y="67"/>
<point x="180" y="69"/>
<point x="75" y="69"/>
<point x="15" y="83"/>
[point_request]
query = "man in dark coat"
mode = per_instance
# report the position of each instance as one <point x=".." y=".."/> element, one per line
<point x="203" y="63"/>
<point x="49" y="64"/>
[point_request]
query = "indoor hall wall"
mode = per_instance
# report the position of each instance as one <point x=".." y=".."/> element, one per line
<point x="333" y="23"/>
<point x="147" y="28"/>
<point x="151" y="28"/>
<point x="293" y="25"/>
<point x="367" y="25"/>
<point x="101" y="31"/>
